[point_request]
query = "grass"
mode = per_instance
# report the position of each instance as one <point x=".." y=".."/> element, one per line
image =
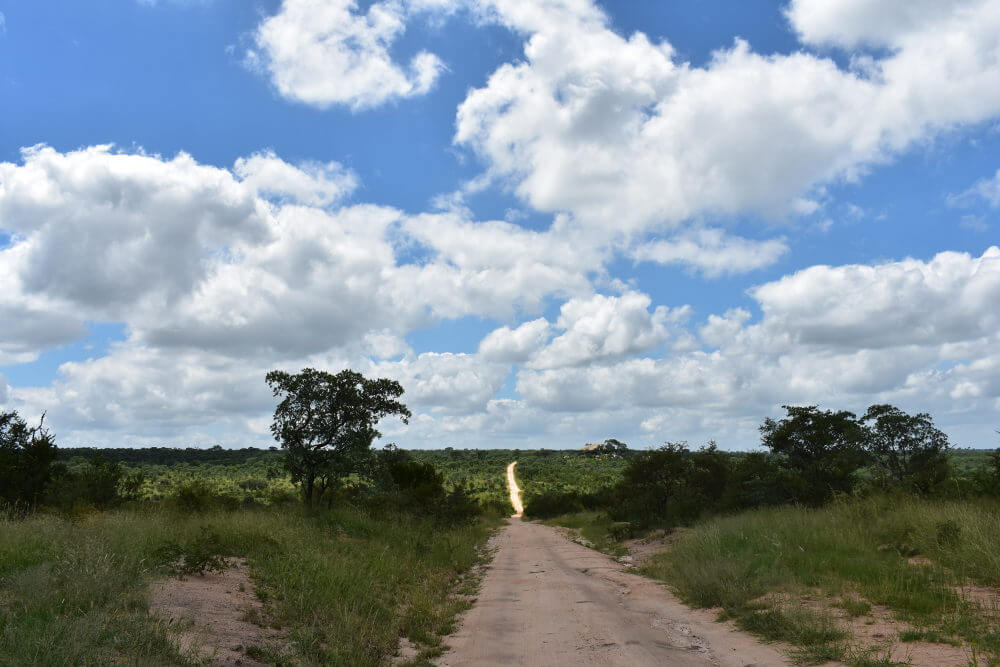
<point x="344" y="586"/>
<point x="595" y="528"/>
<point x="757" y="566"/>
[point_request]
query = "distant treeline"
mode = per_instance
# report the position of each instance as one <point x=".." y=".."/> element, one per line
<point x="215" y="455"/>
<point x="812" y="457"/>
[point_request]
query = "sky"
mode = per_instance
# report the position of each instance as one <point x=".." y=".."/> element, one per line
<point x="552" y="221"/>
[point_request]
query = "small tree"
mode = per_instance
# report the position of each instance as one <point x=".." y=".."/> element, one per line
<point x="326" y="423"/>
<point x="907" y="450"/>
<point x="26" y="456"/>
<point x="822" y="449"/>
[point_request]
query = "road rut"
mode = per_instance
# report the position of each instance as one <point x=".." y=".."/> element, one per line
<point x="549" y="601"/>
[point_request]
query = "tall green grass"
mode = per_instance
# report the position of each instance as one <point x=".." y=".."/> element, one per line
<point x="756" y="564"/>
<point x="343" y="585"/>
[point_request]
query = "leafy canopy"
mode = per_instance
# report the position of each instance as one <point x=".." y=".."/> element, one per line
<point x="326" y="422"/>
<point x="823" y="448"/>
<point x="907" y="449"/>
<point x="26" y="456"/>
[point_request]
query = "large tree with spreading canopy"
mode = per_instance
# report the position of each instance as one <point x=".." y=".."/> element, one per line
<point x="326" y="423"/>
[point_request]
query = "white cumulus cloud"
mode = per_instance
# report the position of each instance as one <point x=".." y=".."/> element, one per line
<point x="617" y="131"/>
<point x="712" y="252"/>
<point x="327" y="52"/>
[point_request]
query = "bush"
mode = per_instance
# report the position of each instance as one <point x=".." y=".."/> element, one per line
<point x="823" y="450"/>
<point x="908" y="452"/>
<point x="671" y="485"/>
<point x="26" y="457"/>
<point x="202" y="554"/>
<point x="553" y="503"/>
<point x="757" y="480"/>
<point x="197" y="495"/>
<point x="101" y="484"/>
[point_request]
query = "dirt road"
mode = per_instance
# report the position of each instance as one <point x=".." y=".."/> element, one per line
<point x="515" y="491"/>
<point x="547" y="601"/>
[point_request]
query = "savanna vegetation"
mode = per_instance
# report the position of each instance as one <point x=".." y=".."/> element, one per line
<point x="352" y="547"/>
<point x="839" y="516"/>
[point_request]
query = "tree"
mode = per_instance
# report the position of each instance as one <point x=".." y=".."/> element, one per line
<point x="326" y="423"/>
<point x="907" y="449"/>
<point x="26" y="456"/>
<point x="822" y="449"/>
<point x="671" y="485"/>
<point x="610" y="446"/>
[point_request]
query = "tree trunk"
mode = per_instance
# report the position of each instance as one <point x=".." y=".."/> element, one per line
<point x="307" y="489"/>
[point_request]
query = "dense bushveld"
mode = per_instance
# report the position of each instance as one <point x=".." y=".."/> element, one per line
<point x="251" y="477"/>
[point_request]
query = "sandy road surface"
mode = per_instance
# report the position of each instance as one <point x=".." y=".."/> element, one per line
<point x="547" y="601"/>
<point x="515" y="491"/>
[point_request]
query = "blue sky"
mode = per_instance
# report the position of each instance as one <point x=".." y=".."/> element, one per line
<point x="554" y="222"/>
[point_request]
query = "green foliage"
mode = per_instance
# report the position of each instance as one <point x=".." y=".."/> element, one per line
<point x="610" y="446"/>
<point x="326" y="423"/>
<point x="824" y="449"/>
<point x="100" y="484"/>
<point x="671" y="485"/>
<point x="197" y="556"/>
<point x="758" y="480"/>
<point x="418" y="487"/>
<point x="550" y="504"/>
<point x="198" y="495"/>
<point x="26" y="457"/>
<point x="343" y="585"/>
<point x="767" y="559"/>
<point x="907" y="450"/>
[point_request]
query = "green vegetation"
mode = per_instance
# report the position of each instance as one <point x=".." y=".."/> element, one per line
<point x="326" y="424"/>
<point x="343" y="585"/>
<point x="841" y="518"/>
<point x="791" y="541"/>
<point x="764" y="568"/>
<point x="82" y="538"/>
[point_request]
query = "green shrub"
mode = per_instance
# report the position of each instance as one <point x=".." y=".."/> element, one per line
<point x="27" y="454"/>
<point x="199" y="555"/>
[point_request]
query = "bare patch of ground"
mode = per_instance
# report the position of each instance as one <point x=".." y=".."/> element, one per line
<point x="986" y="598"/>
<point x="875" y="633"/>
<point x="879" y="631"/>
<point x="216" y="616"/>
<point x="408" y="652"/>
<point x="640" y="550"/>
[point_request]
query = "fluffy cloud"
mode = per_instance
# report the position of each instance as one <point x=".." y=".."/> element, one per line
<point x="259" y="260"/>
<point x="323" y="53"/>
<point x="446" y="383"/>
<point x="603" y="327"/>
<point x="941" y="301"/>
<point x="712" y="252"/>
<point x="143" y="393"/>
<point x="593" y="328"/>
<point x="617" y="132"/>
<point x="851" y="23"/>
<point x="515" y="345"/>
<point x="310" y="183"/>
<point x="923" y="334"/>
<point x="495" y="267"/>
<point x="107" y="231"/>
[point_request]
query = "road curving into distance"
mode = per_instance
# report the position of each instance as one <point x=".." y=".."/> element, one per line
<point x="515" y="491"/>
<point x="549" y="602"/>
